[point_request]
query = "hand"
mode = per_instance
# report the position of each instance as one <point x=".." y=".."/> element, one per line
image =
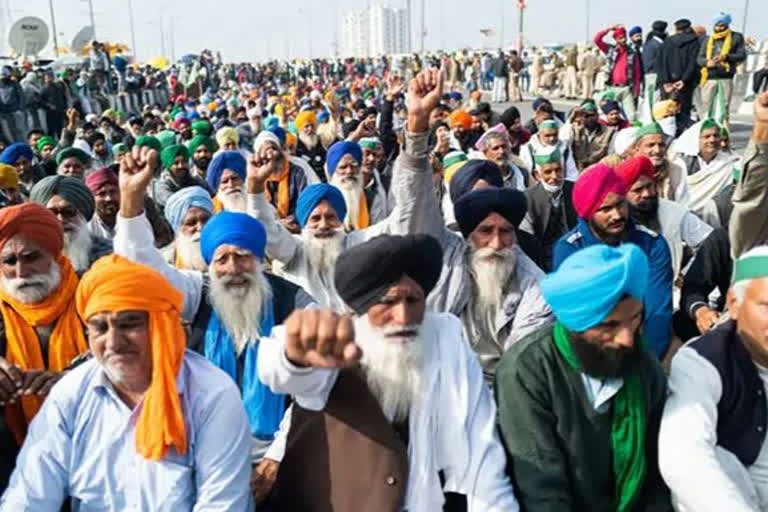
<point x="678" y="86"/>
<point x="11" y="381"/>
<point x="711" y="63"/>
<point x="263" y="478"/>
<point x="424" y="94"/>
<point x="260" y="167"/>
<point x="39" y="382"/>
<point x="136" y="171"/>
<point x="705" y="319"/>
<point x="363" y="130"/>
<point x="394" y="87"/>
<point x="291" y="225"/>
<point x="72" y="117"/>
<point x="321" y="338"/>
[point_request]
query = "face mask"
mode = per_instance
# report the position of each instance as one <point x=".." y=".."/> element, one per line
<point x="552" y="189"/>
<point x="669" y="126"/>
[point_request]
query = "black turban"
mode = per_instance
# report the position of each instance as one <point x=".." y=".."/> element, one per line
<point x="365" y="272"/>
<point x="509" y="116"/>
<point x="683" y="24"/>
<point x="475" y="207"/>
<point x="659" y="26"/>
<point x="472" y="172"/>
<point x="609" y="106"/>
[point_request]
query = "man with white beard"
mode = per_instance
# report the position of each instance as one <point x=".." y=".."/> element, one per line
<point x="226" y="176"/>
<point x="391" y="412"/>
<point x="308" y="147"/>
<point x="72" y="203"/>
<point x="228" y="306"/>
<point x="343" y="168"/>
<point x="187" y="211"/>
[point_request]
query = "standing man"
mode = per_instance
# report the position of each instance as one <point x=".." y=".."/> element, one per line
<point x="625" y="70"/>
<point x="653" y="42"/>
<point x="515" y="67"/>
<point x="719" y="55"/>
<point x="500" y="70"/>
<point x="678" y="69"/>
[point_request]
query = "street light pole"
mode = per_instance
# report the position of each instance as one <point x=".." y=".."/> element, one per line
<point x="501" y="29"/>
<point x="53" y="27"/>
<point x="586" y="35"/>
<point x="133" y="32"/>
<point x="93" y="20"/>
<point x="744" y="25"/>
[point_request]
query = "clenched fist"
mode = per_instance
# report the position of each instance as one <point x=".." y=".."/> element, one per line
<point x="321" y="338"/>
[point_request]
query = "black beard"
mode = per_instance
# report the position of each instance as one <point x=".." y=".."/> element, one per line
<point x="645" y="212"/>
<point x="609" y="238"/>
<point x="201" y="163"/>
<point x="604" y="362"/>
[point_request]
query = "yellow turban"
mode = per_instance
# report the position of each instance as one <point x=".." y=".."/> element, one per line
<point x="9" y="176"/>
<point x="227" y="135"/>
<point x="663" y="109"/>
<point x="304" y="118"/>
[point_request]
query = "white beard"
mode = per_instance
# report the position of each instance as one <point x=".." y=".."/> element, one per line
<point x="33" y="289"/>
<point x="351" y="188"/>
<point x="310" y="141"/>
<point x="77" y="245"/>
<point x="233" y="200"/>
<point x="393" y="367"/>
<point x="490" y="270"/>
<point x="188" y="251"/>
<point x="322" y="252"/>
<point x="239" y="309"/>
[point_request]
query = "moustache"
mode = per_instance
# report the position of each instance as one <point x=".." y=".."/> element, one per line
<point x="487" y="253"/>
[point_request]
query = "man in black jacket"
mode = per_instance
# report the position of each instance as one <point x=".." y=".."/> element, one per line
<point x="500" y="70"/>
<point x="678" y="72"/>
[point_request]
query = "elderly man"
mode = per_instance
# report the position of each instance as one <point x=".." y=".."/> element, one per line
<point x="72" y="203"/>
<point x="187" y="211"/>
<point x="201" y="150"/>
<point x="670" y="177"/>
<point x="156" y="412"/>
<point x="377" y="177"/>
<point x="175" y="175"/>
<point x="41" y="333"/>
<point x="10" y="193"/>
<point x="226" y="178"/>
<point x="580" y="403"/>
<point x="495" y="146"/>
<point x="309" y="146"/>
<point x="72" y="162"/>
<point x="599" y="198"/>
<point x="374" y="395"/>
<point x="718" y="385"/>
<point x="20" y="156"/>
<point x="546" y="140"/>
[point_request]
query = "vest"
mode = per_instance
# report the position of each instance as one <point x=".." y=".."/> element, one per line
<point x="345" y="458"/>
<point x="742" y="411"/>
<point x="540" y="208"/>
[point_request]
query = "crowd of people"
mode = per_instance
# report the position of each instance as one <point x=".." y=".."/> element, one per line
<point x="346" y="286"/>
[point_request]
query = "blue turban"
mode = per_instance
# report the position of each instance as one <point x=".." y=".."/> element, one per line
<point x="723" y="18"/>
<point x="337" y="151"/>
<point x="589" y="283"/>
<point x="271" y="122"/>
<point x="312" y="195"/>
<point x="609" y="106"/>
<point x="231" y="228"/>
<point x="473" y="208"/>
<point x="635" y="30"/>
<point x="231" y="160"/>
<point x="279" y="133"/>
<point x="323" y="116"/>
<point x="180" y="202"/>
<point x="470" y="173"/>
<point x="12" y="153"/>
<point x="455" y="95"/>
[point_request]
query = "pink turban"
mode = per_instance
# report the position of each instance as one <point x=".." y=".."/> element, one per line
<point x="632" y="168"/>
<point x="593" y="185"/>
<point x="97" y="179"/>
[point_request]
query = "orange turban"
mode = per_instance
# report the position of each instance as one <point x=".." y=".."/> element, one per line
<point x="35" y="223"/>
<point x="305" y="118"/>
<point x="116" y="284"/>
<point x="460" y="118"/>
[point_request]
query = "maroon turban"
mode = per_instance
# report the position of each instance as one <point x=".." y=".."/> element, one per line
<point x="619" y="32"/>
<point x="593" y="185"/>
<point x="33" y="222"/>
<point x="632" y="168"/>
<point x="97" y="179"/>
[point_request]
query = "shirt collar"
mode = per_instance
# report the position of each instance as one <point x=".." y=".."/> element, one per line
<point x="102" y="382"/>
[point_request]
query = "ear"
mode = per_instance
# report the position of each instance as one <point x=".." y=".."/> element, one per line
<point x="733" y="305"/>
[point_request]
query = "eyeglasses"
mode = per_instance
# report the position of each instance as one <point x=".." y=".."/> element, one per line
<point x="67" y="212"/>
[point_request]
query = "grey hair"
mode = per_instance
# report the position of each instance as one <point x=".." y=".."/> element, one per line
<point x="495" y="135"/>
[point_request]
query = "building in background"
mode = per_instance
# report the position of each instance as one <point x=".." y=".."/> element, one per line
<point x="376" y="31"/>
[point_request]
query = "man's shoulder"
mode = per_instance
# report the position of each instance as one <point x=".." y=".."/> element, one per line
<point x="206" y="377"/>
<point x="573" y="238"/>
<point x="644" y="233"/>
<point x="72" y="387"/>
<point x="530" y="354"/>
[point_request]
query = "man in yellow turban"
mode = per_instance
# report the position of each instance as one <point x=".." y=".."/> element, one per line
<point x="309" y="147"/>
<point x="10" y="193"/>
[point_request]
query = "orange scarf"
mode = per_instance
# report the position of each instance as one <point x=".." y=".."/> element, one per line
<point x="23" y="350"/>
<point x="283" y="190"/>
<point x="115" y="284"/>
<point x="217" y="205"/>
<point x="363" y="220"/>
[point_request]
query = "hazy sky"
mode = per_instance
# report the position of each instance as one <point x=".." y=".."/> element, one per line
<point x="254" y="29"/>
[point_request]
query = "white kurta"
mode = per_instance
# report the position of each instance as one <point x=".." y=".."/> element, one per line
<point x="453" y="428"/>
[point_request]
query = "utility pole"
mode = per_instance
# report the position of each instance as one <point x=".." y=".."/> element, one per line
<point x="501" y="29"/>
<point x="521" y="8"/>
<point x="744" y="24"/>
<point x="133" y="31"/>
<point x="53" y="28"/>
<point x="423" y="29"/>
<point x="93" y="20"/>
<point x="586" y="34"/>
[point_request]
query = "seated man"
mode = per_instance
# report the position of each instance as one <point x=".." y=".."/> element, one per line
<point x="546" y="140"/>
<point x="143" y="411"/>
<point x="201" y="150"/>
<point x="376" y="395"/>
<point x="175" y="175"/>
<point x="20" y="155"/>
<point x="72" y="203"/>
<point x="495" y="147"/>
<point x="671" y="183"/>
<point x="591" y="140"/>
<point x="599" y="198"/>
<point x="377" y="178"/>
<point x="714" y="422"/>
<point x="73" y="162"/>
<point x="187" y="211"/>
<point x="580" y="402"/>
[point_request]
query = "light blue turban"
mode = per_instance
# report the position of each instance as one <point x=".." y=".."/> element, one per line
<point x="312" y="195"/>
<point x="180" y="202"/>
<point x="589" y="283"/>
<point x="337" y="151"/>
<point x="238" y="229"/>
<point x="232" y="160"/>
<point x="723" y="18"/>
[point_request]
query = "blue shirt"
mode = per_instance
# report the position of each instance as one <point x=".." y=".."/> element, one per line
<point x="82" y="444"/>
<point x="658" y="296"/>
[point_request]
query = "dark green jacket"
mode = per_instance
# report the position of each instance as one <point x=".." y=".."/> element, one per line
<point x="558" y="446"/>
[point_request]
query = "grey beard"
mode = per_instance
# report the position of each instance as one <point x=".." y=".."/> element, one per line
<point x="188" y="250"/>
<point x="240" y="310"/>
<point x="77" y="246"/>
<point x="33" y="289"/>
<point x="352" y="190"/>
<point x="323" y="252"/>
<point x="310" y="141"/>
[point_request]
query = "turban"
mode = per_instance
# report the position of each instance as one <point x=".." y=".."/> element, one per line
<point x="549" y="124"/>
<point x="33" y="222"/>
<point x="69" y="188"/>
<point x="202" y="128"/>
<point x="592" y="186"/>
<point x="9" y="176"/>
<point x="116" y="284"/>
<point x="547" y="157"/>
<point x="180" y="202"/>
<point x="452" y="162"/>
<point x="753" y="264"/>
<point x="97" y="179"/>
<point x="150" y="142"/>
<point x="498" y="130"/>
<point x="649" y="129"/>
<point x="279" y="133"/>
<point x="169" y="154"/>
<point x="661" y="26"/>
<point x="510" y="116"/>
<point x="662" y="109"/>
<point x="166" y="138"/>
<point x="271" y="122"/>
<point x="120" y="148"/>
<point x="632" y="168"/>
<point x="304" y="118"/>
<point x="709" y="123"/>
<point x="370" y="143"/>
<point x="473" y="208"/>
<point x="290" y="139"/>
<point x="232" y="160"/>
<point x="589" y="283"/>
<point x="181" y="123"/>
<point x="312" y="195"/>
<point x="723" y="18"/>
<point x="619" y="32"/>
<point x="337" y="151"/>
<point x="264" y="137"/>
<point x="470" y="173"/>
<point x="454" y="95"/>
<point x="635" y="30"/>
<point x="12" y="153"/>
<point x="197" y="140"/>
<point x="588" y="106"/>
<point x="460" y="118"/>
<point x="365" y="272"/>
<point x="227" y="135"/>
<point x="323" y="116"/>
<point x="238" y="229"/>
<point x="609" y="106"/>
<point x="625" y="139"/>
<point x="682" y="24"/>
<point x="45" y="141"/>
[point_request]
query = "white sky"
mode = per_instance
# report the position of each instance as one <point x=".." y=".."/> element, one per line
<point x="253" y="29"/>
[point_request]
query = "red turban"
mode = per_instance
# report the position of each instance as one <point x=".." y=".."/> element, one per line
<point x="97" y="179"/>
<point x="593" y="185"/>
<point x="181" y="123"/>
<point x="632" y="168"/>
<point x="619" y="32"/>
<point x="33" y="222"/>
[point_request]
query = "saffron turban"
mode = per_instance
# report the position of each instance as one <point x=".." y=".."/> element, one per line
<point x="587" y="286"/>
<point x="473" y="208"/>
<point x="470" y="173"/>
<point x="305" y="118"/>
<point x="365" y="272"/>
<point x="169" y="154"/>
<point x="460" y="118"/>
<point x="311" y="196"/>
<point x="180" y="202"/>
<point x="337" y="151"/>
<point x="238" y="229"/>
<point x="67" y="187"/>
<point x="632" y="168"/>
<point x="227" y="135"/>
<point x="150" y="142"/>
<point x="44" y="142"/>
<point x="33" y="222"/>
<point x="12" y="153"/>
<point x="592" y="187"/>
<point x="9" y="176"/>
<point x="115" y="284"/>
<point x="198" y="140"/>
<point x="99" y="178"/>
<point x="223" y="160"/>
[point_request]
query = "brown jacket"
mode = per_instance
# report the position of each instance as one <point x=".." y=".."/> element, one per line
<point x="749" y="222"/>
<point x="587" y="152"/>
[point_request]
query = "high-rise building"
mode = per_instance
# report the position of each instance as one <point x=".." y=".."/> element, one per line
<point x="377" y="31"/>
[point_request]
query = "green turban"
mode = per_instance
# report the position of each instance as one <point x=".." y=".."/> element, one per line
<point x="649" y="129"/>
<point x="169" y="154"/>
<point x="45" y="141"/>
<point x="166" y="138"/>
<point x="120" y="148"/>
<point x="547" y="158"/>
<point x="150" y="142"/>
<point x="195" y="141"/>
<point x="71" y="152"/>
<point x="202" y="128"/>
<point x="709" y="123"/>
